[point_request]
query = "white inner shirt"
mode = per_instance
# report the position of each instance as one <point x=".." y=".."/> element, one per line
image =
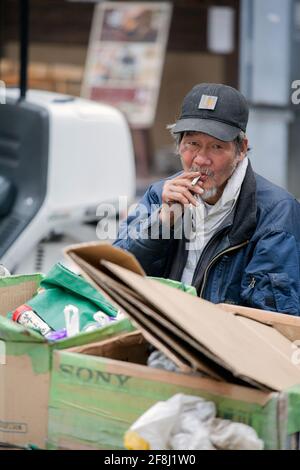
<point x="205" y="219"/>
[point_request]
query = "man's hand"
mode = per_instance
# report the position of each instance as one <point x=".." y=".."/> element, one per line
<point x="178" y="193"/>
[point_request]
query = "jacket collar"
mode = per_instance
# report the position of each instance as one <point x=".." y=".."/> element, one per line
<point x="244" y="221"/>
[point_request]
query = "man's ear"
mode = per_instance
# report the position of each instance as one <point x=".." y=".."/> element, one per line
<point x="243" y="152"/>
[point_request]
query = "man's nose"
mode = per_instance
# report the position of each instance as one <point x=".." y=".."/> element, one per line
<point x="201" y="158"/>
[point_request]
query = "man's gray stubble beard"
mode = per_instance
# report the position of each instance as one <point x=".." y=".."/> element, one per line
<point x="209" y="193"/>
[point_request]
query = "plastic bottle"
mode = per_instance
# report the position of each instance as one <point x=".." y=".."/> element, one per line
<point x="27" y="317"/>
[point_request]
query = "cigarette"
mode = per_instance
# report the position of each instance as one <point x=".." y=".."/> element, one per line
<point x="195" y="180"/>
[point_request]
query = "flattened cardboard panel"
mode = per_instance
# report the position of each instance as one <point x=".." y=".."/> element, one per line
<point x="106" y="283"/>
<point x="157" y="319"/>
<point x="249" y="352"/>
<point x="94" y="252"/>
<point x="154" y="335"/>
<point x="167" y="342"/>
<point x="100" y="277"/>
<point x="89" y="273"/>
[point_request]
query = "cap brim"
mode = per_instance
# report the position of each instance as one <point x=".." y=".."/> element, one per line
<point x="216" y="129"/>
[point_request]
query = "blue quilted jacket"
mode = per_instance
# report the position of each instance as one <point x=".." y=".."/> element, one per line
<point x="253" y="259"/>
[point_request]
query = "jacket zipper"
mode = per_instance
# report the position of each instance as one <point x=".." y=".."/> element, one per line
<point x="232" y="248"/>
<point x="211" y="241"/>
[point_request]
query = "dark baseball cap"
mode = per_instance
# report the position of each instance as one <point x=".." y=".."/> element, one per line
<point x="215" y="109"/>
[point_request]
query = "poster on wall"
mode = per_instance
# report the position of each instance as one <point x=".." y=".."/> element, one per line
<point x="125" y="57"/>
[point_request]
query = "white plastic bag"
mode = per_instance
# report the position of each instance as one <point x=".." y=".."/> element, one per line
<point x="186" y="422"/>
<point x="228" y="435"/>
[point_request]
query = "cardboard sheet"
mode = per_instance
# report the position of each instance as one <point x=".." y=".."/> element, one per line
<point x="250" y="349"/>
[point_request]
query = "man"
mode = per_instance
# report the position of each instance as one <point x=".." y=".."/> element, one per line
<point x="217" y="225"/>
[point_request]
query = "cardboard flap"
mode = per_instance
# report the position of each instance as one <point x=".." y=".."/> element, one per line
<point x="288" y="325"/>
<point x="289" y="331"/>
<point x="250" y="349"/>
<point x="128" y="347"/>
<point x="95" y="252"/>
<point x="15" y="291"/>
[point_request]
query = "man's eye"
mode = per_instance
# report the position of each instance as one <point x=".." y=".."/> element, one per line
<point x="216" y="146"/>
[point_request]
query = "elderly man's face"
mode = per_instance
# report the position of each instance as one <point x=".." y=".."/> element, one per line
<point x="215" y="159"/>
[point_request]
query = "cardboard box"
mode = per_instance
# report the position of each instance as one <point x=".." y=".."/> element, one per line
<point x="25" y="363"/>
<point x="230" y="347"/>
<point x="244" y="350"/>
<point x="98" y="391"/>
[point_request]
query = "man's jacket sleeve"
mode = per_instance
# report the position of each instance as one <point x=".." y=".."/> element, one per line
<point x="271" y="280"/>
<point x="142" y="234"/>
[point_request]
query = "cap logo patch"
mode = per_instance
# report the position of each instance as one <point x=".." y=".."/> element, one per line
<point x="208" y="102"/>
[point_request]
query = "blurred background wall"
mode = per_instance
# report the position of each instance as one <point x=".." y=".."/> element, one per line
<point x="59" y="35"/>
<point x="263" y="63"/>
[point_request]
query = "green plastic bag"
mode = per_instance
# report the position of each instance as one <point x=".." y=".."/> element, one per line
<point x="176" y="284"/>
<point x="62" y="287"/>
